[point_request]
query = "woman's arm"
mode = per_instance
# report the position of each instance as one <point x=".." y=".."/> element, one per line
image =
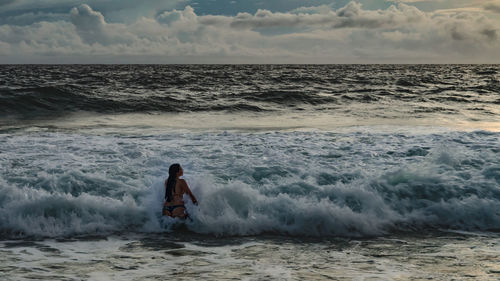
<point x="188" y="191"/>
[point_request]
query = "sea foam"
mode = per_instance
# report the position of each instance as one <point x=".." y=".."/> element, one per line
<point x="354" y="184"/>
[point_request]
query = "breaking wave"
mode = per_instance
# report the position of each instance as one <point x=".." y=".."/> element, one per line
<point x="343" y="184"/>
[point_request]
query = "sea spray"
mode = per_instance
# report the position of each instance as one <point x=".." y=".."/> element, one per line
<point x="355" y="184"/>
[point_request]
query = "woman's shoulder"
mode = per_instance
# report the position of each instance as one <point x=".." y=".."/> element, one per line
<point x="183" y="183"/>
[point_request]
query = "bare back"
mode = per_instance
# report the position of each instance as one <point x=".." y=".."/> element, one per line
<point x="177" y="203"/>
<point x="178" y="192"/>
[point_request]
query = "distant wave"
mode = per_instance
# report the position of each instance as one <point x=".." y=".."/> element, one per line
<point x="57" y="100"/>
<point x="44" y="90"/>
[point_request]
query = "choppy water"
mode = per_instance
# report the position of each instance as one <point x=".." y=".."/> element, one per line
<point x="410" y="90"/>
<point x="346" y="155"/>
<point x="314" y="183"/>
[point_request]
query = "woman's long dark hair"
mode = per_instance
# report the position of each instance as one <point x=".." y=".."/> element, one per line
<point x="170" y="183"/>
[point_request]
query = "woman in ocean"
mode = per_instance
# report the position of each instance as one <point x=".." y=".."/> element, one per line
<point x="175" y="188"/>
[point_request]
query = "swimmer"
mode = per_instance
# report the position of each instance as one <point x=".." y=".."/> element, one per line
<point x="175" y="188"/>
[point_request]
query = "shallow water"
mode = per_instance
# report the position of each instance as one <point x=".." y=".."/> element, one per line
<point x="186" y="256"/>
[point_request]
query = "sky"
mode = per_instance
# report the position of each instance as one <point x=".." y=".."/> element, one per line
<point x="250" y="31"/>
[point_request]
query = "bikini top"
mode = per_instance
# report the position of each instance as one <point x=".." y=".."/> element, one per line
<point x="175" y="196"/>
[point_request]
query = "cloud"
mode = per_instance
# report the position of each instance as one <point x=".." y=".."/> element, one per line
<point x="353" y="15"/>
<point x="92" y="27"/>
<point x="86" y="19"/>
<point x="6" y="2"/>
<point x="267" y="19"/>
<point x="32" y="17"/>
<point x="415" y="1"/>
<point x="180" y="17"/>
<point x="490" y="33"/>
<point x="44" y="39"/>
<point x="89" y="24"/>
<point x="115" y="11"/>
<point x="321" y="34"/>
<point x="232" y="8"/>
<point x="492" y="7"/>
<point x="350" y="16"/>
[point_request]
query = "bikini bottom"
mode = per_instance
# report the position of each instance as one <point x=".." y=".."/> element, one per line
<point x="171" y="208"/>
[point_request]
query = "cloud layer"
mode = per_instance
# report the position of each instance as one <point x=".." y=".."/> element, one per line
<point x="320" y="34"/>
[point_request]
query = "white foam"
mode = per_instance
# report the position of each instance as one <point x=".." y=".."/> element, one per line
<point x="300" y="183"/>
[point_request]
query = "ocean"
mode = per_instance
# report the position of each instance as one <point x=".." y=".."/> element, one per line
<point x="338" y="172"/>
